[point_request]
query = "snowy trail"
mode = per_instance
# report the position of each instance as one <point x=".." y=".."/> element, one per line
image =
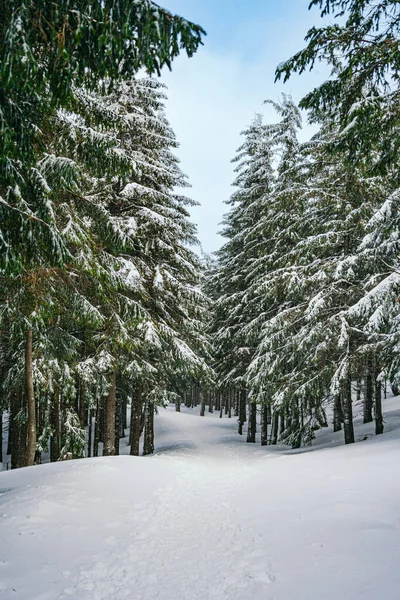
<point x="208" y="517"/>
<point x="193" y="525"/>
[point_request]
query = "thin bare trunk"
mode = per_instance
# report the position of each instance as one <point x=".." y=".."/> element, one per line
<point x="30" y="397"/>
<point x="109" y="418"/>
<point x="136" y="417"/>
<point x="264" y="425"/>
<point x="148" y="446"/>
<point x="378" y="405"/>
<point x="96" y="429"/>
<point x="252" y="424"/>
<point x="348" y="413"/>
<point x="337" y="413"/>
<point x="55" y="423"/>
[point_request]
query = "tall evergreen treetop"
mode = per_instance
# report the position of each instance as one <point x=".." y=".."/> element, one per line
<point x="48" y="46"/>
<point x="363" y="91"/>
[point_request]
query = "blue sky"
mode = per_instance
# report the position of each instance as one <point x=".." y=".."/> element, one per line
<point x="214" y="95"/>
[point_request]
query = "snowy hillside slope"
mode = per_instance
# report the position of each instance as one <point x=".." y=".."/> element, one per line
<point x="208" y="517"/>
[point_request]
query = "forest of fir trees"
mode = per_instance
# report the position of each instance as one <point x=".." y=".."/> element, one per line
<point x="107" y="313"/>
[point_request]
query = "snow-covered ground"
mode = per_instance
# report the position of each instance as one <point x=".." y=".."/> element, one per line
<point x="208" y="517"/>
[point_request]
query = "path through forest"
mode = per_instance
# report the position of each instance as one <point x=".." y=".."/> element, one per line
<point x="208" y="517"/>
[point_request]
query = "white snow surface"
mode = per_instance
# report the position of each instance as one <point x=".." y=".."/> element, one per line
<point x="208" y="517"/>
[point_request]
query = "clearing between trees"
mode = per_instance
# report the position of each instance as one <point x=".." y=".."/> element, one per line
<point x="209" y="516"/>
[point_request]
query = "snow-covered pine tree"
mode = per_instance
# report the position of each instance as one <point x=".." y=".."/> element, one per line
<point x="362" y="93"/>
<point x="272" y="283"/>
<point x="129" y="294"/>
<point x="234" y="309"/>
<point x="309" y="346"/>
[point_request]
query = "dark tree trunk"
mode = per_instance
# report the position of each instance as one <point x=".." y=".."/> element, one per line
<point x="10" y="429"/>
<point x="30" y="397"/>
<point x="96" y="437"/>
<point x="221" y="404"/>
<point x="210" y="403"/>
<point x="252" y="426"/>
<point x="217" y="401"/>
<point x="109" y="418"/>
<point x="227" y="401"/>
<point x="282" y="427"/>
<point x="178" y="404"/>
<point x="241" y="410"/>
<point x="118" y="419"/>
<point x="295" y="427"/>
<point x="136" y="417"/>
<point x="395" y="389"/>
<point x="148" y="445"/>
<point x="55" y="425"/>
<point x="337" y="413"/>
<point x="378" y="408"/>
<point x="348" y="413"/>
<point x="269" y="414"/>
<point x="90" y="433"/>
<point x="275" y="427"/>
<point x="264" y="425"/>
<point x="368" y="394"/>
<point x="18" y="440"/>
<point x="101" y="420"/>
<point x="203" y="404"/>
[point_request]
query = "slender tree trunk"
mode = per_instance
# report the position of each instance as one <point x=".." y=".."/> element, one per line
<point x="90" y="433"/>
<point x="296" y="427"/>
<point x="348" y="413"/>
<point x="221" y="404"/>
<point x="101" y="420"/>
<point x="252" y="426"/>
<point x="17" y="449"/>
<point x="109" y="418"/>
<point x="203" y="404"/>
<point x="55" y="425"/>
<point x="31" y="443"/>
<point x="241" y="410"/>
<point x="227" y="401"/>
<point x="10" y="429"/>
<point x="124" y="413"/>
<point x="137" y="414"/>
<point x="242" y="406"/>
<point x="368" y="394"/>
<point x="178" y="404"/>
<point x="264" y="425"/>
<point x="96" y="437"/>
<point x="210" y="402"/>
<point x="378" y="407"/>
<point x="118" y="418"/>
<point x="337" y="410"/>
<point x="275" y="427"/>
<point x="282" y="427"/>
<point x="148" y="446"/>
